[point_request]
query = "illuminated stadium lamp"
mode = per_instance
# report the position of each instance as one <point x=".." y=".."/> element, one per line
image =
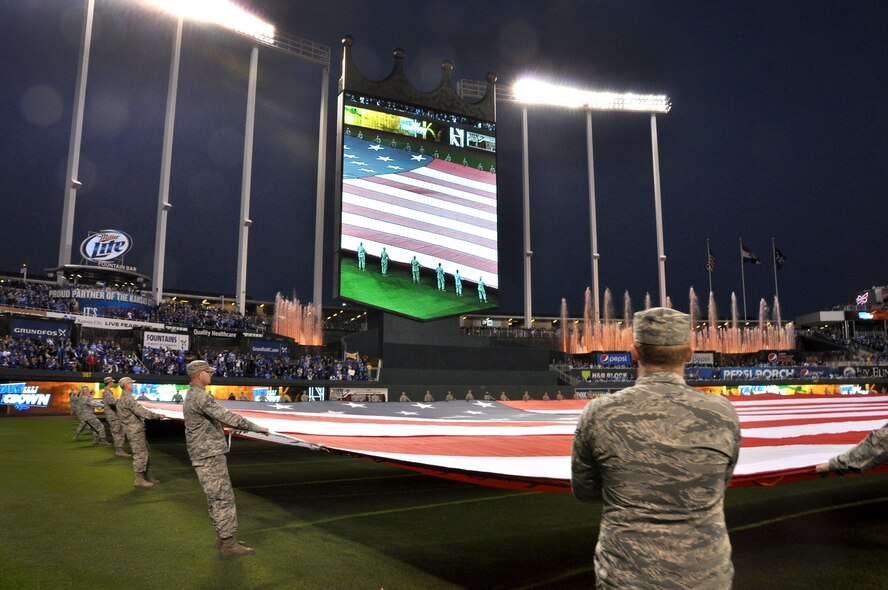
<point x="543" y="93"/>
<point x="537" y="92"/>
<point x="222" y="13"/>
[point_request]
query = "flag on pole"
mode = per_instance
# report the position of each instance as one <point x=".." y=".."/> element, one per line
<point x="863" y="298"/>
<point x="779" y="258"/>
<point x="710" y="261"/>
<point x="747" y="255"/>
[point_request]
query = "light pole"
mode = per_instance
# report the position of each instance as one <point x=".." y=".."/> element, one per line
<point x="73" y="170"/>
<point x="529" y="91"/>
<point x="163" y="197"/>
<point x="228" y="15"/>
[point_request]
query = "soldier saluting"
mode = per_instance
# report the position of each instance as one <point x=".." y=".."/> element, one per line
<point x="205" y="439"/>
<point x="659" y="456"/>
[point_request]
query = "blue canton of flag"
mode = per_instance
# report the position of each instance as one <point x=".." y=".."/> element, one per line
<point x="366" y="158"/>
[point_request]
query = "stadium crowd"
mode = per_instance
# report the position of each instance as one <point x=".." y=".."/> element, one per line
<point x="33" y="295"/>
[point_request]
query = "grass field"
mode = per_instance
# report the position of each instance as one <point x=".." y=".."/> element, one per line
<point x="72" y="519"/>
<point x="396" y="291"/>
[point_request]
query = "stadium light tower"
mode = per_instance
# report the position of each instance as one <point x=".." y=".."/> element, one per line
<point x="534" y="92"/>
<point x="228" y="15"/>
<point x="73" y="170"/>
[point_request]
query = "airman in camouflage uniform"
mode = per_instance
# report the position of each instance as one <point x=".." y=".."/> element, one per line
<point x="114" y="424"/>
<point x="659" y="456"/>
<point x="205" y="439"/>
<point x="132" y="416"/>
<point x="87" y="415"/>
<point x="869" y="453"/>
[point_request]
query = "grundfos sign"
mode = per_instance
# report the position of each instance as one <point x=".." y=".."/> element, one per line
<point x="105" y="245"/>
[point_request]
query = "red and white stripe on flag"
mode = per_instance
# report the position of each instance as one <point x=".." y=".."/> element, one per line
<point x="528" y="444"/>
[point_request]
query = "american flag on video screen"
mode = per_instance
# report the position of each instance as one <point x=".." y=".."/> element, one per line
<point x="412" y="203"/>
<point x="524" y="444"/>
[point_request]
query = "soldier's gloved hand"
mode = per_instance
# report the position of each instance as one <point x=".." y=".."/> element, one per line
<point x="264" y="431"/>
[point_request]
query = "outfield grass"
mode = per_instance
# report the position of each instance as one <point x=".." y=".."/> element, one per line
<point x="73" y="520"/>
<point x="396" y="291"/>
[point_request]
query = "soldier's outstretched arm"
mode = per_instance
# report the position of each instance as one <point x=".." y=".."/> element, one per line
<point x="212" y="408"/>
<point x="585" y="476"/>
<point x="870" y="452"/>
<point x="730" y="470"/>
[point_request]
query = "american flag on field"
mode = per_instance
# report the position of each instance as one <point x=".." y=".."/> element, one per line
<point x="527" y="444"/>
<point x="417" y="204"/>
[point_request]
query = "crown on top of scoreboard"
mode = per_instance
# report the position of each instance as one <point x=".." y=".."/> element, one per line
<point x="396" y="86"/>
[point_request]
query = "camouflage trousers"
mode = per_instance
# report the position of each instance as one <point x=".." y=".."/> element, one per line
<point x="212" y="473"/>
<point x="96" y="428"/>
<point x="139" y="445"/>
<point x="117" y="432"/>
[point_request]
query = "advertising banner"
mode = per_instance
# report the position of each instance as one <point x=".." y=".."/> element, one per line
<point x="165" y="340"/>
<point x="622" y="359"/>
<point x="863" y="372"/>
<point x="93" y="301"/>
<point x="104" y="323"/>
<point x="703" y="358"/>
<point x="739" y="373"/>
<point x="605" y="374"/>
<point x="214" y="333"/>
<point x="42" y="329"/>
<point x="269" y="348"/>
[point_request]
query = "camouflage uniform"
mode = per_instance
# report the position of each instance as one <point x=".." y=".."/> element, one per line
<point x="132" y="416"/>
<point x="659" y="455"/>
<point x="205" y="439"/>
<point x="869" y="453"/>
<point x="113" y="421"/>
<point x="88" y="417"/>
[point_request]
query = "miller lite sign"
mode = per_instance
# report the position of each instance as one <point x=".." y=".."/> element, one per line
<point x="105" y="245"/>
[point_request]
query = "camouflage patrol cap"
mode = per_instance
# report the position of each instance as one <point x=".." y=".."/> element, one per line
<point x="195" y="367"/>
<point x="124" y="381"/>
<point x="661" y="326"/>
<point x="84" y="388"/>
<point x="108" y="380"/>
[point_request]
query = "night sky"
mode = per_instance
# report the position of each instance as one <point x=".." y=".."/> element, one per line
<point x="778" y="129"/>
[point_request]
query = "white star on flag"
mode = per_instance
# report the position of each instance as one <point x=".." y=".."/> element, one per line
<point x="368" y="170"/>
<point x="384" y="158"/>
<point x="417" y="158"/>
<point x="356" y="163"/>
<point x="408" y="413"/>
<point x="419" y="405"/>
<point x="354" y="405"/>
<point x="484" y="404"/>
<point x="472" y="412"/>
<point x="375" y="147"/>
<point x="281" y="407"/>
<point x="394" y="167"/>
<point x="349" y="156"/>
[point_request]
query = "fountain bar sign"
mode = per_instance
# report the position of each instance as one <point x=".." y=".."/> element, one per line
<point x="106" y="248"/>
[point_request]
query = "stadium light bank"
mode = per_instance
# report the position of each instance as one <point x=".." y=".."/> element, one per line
<point x="234" y="18"/>
<point x="529" y="91"/>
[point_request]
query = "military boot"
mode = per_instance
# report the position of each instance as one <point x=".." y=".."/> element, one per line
<point x="151" y="479"/>
<point x="141" y="482"/>
<point x="231" y="547"/>
<point x="122" y="453"/>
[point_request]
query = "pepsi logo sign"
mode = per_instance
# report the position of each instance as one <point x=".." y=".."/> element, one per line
<point x="772" y="357"/>
<point x="106" y="245"/>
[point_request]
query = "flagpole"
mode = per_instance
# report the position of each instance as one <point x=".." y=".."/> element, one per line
<point x="774" y="258"/>
<point x="708" y="264"/>
<point x="743" y="278"/>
